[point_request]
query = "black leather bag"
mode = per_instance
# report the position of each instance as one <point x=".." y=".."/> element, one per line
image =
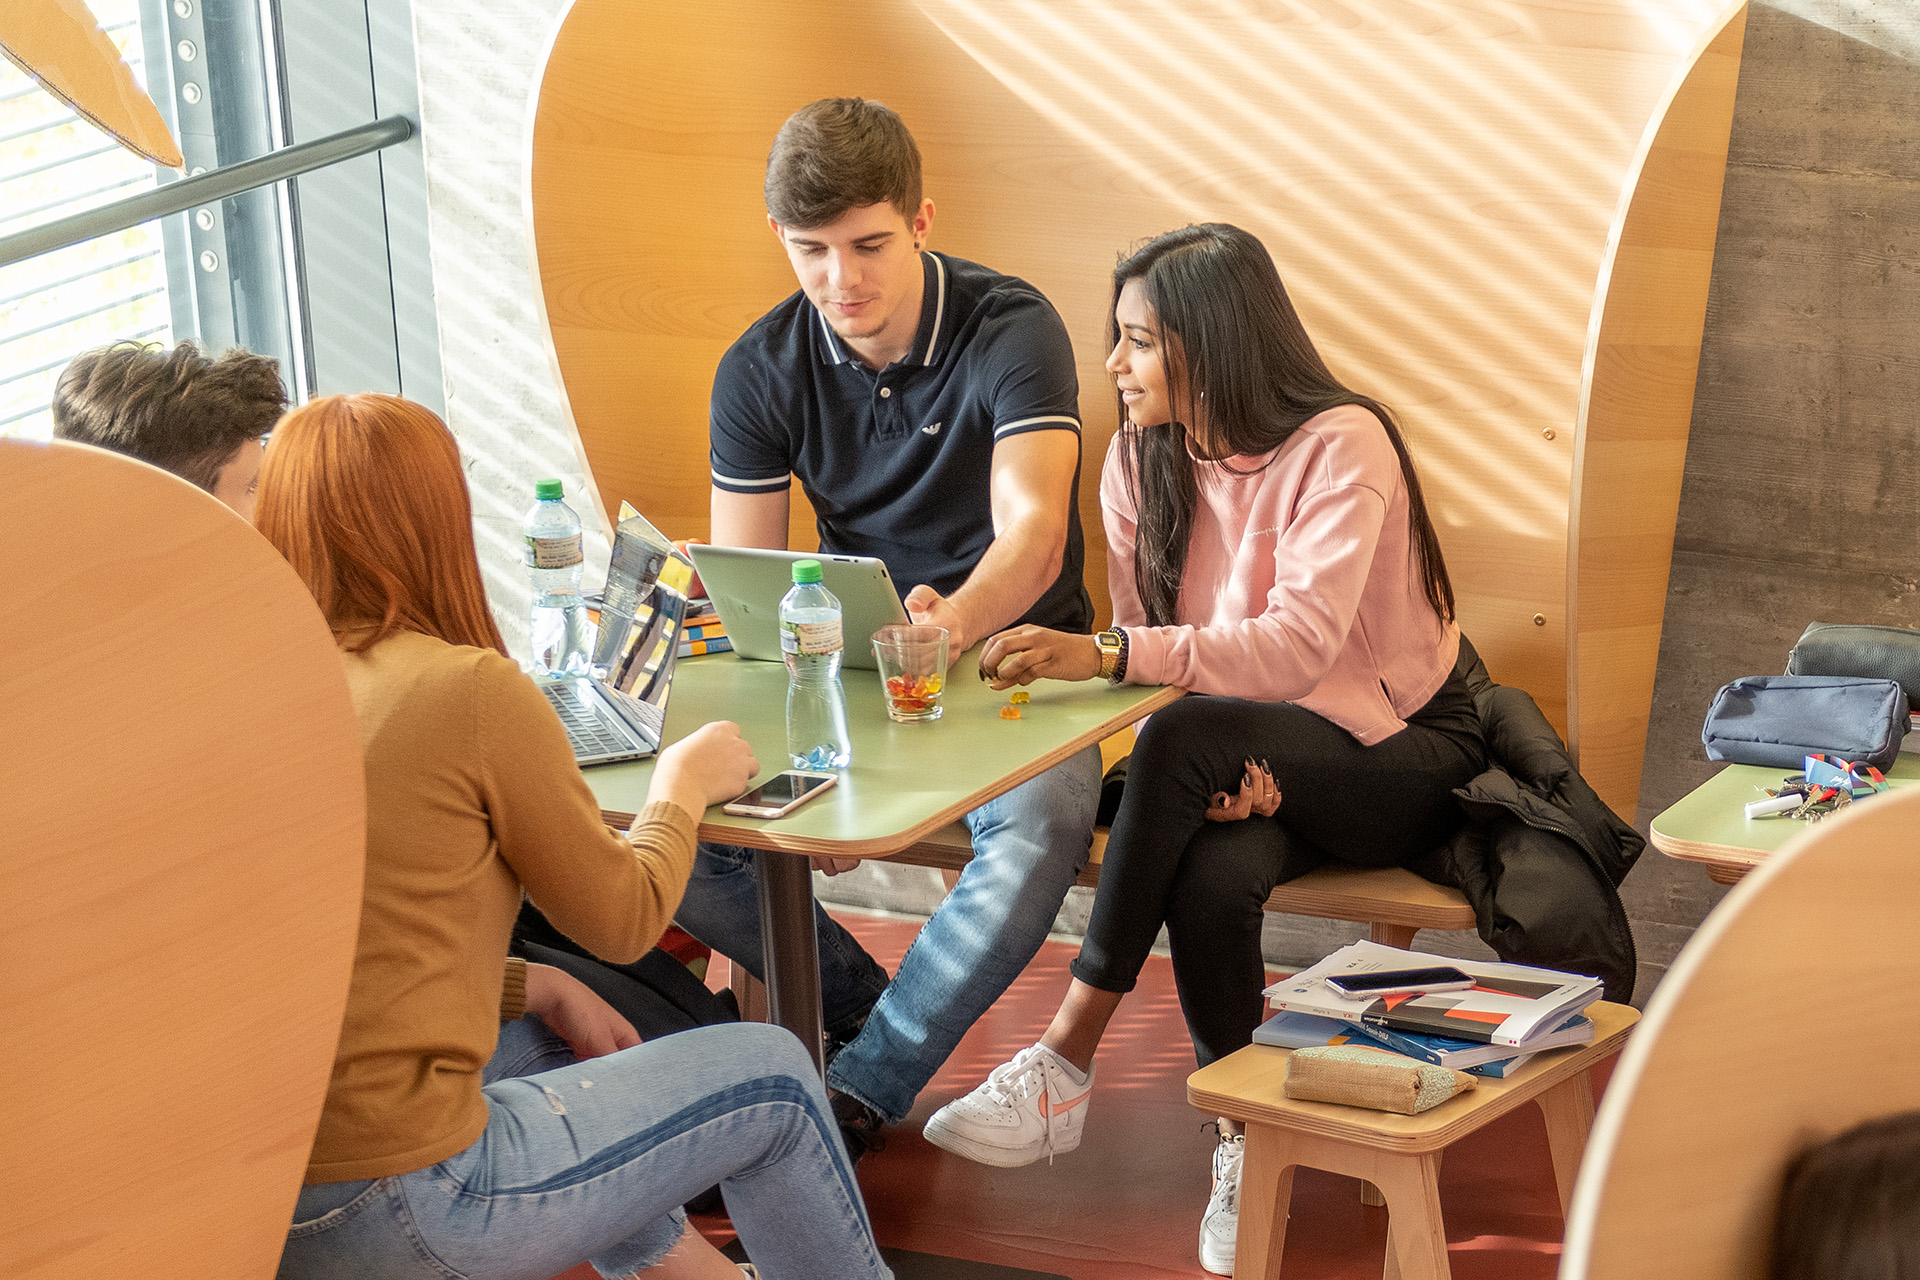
<point x="1871" y="653"/>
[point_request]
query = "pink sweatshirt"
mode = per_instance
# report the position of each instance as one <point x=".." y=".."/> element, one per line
<point x="1300" y="585"/>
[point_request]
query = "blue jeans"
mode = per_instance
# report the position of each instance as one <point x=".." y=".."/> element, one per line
<point x="590" y="1160"/>
<point x="1027" y="847"/>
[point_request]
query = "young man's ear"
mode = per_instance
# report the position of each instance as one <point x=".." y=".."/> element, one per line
<point x="779" y="232"/>
<point x="923" y="224"/>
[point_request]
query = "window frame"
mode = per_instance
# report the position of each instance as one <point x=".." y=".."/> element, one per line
<point x="302" y="135"/>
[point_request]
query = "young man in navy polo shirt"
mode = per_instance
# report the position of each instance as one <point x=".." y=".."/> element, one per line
<point x="929" y="407"/>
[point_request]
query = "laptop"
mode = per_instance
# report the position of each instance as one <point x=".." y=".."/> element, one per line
<point x="746" y="583"/>
<point x="619" y="711"/>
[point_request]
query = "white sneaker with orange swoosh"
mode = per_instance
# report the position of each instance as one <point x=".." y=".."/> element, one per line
<point x="1028" y="1108"/>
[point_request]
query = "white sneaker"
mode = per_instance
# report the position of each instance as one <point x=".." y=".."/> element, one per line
<point x="1028" y="1108"/>
<point x="1220" y="1225"/>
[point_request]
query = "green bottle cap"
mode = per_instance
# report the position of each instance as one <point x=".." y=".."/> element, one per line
<point x="548" y="490"/>
<point x="806" y="571"/>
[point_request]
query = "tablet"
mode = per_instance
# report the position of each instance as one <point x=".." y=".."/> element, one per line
<point x="746" y="583"/>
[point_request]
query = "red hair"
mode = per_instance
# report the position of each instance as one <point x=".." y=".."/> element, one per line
<point x="365" y="497"/>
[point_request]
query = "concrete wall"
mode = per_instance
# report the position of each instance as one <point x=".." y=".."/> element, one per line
<point x="1801" y="472"/>
<point x="1803" y="466"/>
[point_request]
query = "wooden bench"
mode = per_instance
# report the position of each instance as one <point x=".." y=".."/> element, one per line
<point x="1394" y="903"/>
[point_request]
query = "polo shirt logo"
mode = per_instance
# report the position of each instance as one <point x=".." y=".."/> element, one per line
<point x="933" y="430"/>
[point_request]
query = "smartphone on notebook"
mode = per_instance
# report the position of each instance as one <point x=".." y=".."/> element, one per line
<point x="1394" y="982"/>
<point x="780" y="795"/>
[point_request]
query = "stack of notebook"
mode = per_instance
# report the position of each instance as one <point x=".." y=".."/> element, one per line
<point x="704" y="632"/>
<point x="1512" y="1012"/>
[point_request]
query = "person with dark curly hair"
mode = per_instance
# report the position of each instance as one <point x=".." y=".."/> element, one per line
<point x="204" y="418"/>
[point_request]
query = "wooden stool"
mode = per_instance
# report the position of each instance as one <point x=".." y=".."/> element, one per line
<point x="1398" y="1154"/>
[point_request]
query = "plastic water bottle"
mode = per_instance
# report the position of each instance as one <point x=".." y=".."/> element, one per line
<point x="812" y="643"/>
<point x="554" y="565"/>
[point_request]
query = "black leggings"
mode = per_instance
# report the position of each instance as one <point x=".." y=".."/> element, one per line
<point x="1378" y="806"/>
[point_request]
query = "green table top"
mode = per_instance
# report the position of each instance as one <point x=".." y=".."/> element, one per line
<point x="906" y="780"/>
<point x="1708" y="825"/>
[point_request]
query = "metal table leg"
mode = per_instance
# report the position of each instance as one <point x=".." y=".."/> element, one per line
<point x="792" y="949"/>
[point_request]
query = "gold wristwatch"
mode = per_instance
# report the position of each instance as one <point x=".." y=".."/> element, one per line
<point x="1113" y="655"/>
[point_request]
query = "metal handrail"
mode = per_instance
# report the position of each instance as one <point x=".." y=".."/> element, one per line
<point x="218" y="184"/>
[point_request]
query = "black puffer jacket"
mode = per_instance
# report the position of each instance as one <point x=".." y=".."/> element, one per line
<point x="1541" y="857"/>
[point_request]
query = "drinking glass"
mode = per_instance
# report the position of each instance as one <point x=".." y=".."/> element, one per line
<point x="913" y="670"/>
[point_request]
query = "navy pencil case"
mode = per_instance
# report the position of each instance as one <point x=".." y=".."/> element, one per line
<point x="1777" y="721"/>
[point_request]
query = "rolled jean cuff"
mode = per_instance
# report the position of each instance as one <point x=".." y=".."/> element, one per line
<point x="1099" y="981"/>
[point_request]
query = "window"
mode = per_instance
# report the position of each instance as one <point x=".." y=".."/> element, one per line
<point x="53" y="164"/>
<point x="236" y="80"/>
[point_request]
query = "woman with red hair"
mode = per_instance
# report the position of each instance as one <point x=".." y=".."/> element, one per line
<point x="424" y="1163"/>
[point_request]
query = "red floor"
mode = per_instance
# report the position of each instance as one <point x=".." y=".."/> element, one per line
<point x="1128" y="1202"/>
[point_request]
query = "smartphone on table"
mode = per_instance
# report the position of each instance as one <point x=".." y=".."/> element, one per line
<point x="1394" y="982"/>
<point x="780" y="795"/>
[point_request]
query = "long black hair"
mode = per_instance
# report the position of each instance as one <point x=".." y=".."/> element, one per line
<point x="1242" y="347"/>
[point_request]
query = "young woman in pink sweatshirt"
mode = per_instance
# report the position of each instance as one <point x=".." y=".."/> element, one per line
<point x="1268" y="547"/>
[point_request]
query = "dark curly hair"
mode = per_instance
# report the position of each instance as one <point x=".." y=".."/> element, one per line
<point x="181" y="410"/>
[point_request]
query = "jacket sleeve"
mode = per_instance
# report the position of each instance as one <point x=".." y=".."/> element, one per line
<point x="1321" y="561"/>
<point x="613" y="894"/>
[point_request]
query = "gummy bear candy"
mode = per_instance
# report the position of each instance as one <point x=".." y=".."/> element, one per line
<point x="912" y="694"/>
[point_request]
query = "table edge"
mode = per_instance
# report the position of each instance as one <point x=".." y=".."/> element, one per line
<point x="881" y="846"/>
<point x="1703" y="851"/>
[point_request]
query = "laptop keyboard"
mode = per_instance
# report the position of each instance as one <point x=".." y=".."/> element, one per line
<point x="588" y="728"/>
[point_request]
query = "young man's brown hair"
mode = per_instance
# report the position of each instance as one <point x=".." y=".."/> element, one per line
<point x="839" y="154"/>
<point x="180" y="410"/>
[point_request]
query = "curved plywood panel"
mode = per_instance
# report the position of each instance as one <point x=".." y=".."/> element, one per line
<point x="1636" y="407"/>
<point x="184" y="828"/>
<point x="60" y="44"/>
<point x="1682" y="1173"/>
<point x="1442" y="187"/>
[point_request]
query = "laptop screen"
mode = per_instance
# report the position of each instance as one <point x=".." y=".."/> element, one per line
<point x="644" y="611"/>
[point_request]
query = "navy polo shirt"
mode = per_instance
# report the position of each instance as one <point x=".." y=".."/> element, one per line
<point x="898" y="462"/>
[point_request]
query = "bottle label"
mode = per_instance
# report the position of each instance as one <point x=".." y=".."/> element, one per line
<point x="810" y="637"/>
<point x="554" y="553"/>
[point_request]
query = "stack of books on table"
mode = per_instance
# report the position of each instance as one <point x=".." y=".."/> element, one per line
<point x="1512" y="1012"/>
<point x="704" y="632"/>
